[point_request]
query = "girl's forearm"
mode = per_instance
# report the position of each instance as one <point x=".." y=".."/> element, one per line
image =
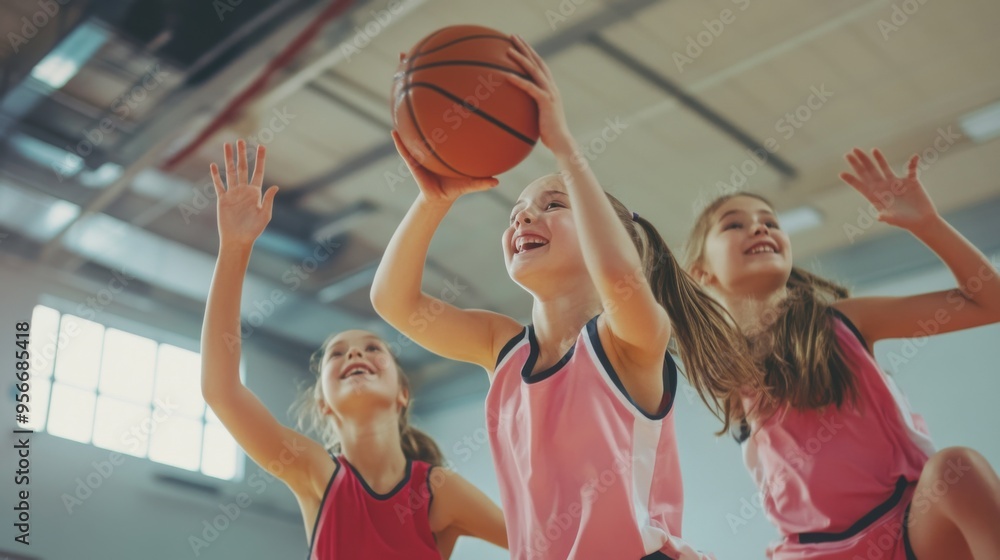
<point x="608" y="251"/>
<point x="220" y="334"/>
<point x="976" y="276"/>
<point x="397" y="286"/>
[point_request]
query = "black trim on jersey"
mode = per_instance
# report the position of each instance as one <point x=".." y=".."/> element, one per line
<point x="390" y="493"/>
<point x="322" y="502"/>
<point x="669" y="375"/>
<point x="430" y="491"/>
<point x="529" y="365"/>
<point x="656" y="556"/>
<point x="907" y="547"/>
<point x="508" y="347"/>
<point x="851" y="326"/>
<point x="744" y="432"/>
<point x="863" y="523"/>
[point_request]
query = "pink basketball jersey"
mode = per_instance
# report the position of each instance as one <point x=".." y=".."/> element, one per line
<point x="584" y="473"/>
<point x="825" y="475"/>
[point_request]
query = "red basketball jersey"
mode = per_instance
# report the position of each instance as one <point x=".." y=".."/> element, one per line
<point x="356" y="523"/>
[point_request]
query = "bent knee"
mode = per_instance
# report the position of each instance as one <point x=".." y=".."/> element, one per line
<point x="954" y="472"/>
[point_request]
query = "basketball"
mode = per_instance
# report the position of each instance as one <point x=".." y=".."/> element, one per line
<point x="454" y="109"/>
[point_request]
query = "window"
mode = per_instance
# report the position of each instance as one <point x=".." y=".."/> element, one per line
<point x="126" y="393"/>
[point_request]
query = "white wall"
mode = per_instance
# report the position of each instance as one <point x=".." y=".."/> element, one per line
<point x="952" y="380"/>
<point x="130" y="514"/>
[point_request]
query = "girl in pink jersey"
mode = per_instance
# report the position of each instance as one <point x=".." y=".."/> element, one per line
<point x="845" y="469"/>
<point x="380" y="492"/>
<point x="578" y="410"/>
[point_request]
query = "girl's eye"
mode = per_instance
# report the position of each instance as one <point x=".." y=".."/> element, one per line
<point x="336" y="353"/>
<point x="556" y="204"/>
<point x="732" y="225"/>
<point x="772" y="225"/>
<point x="373" y="348"/>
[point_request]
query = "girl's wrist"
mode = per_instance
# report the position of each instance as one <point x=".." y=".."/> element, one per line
<point x="236" y="248"/>
<point x="437" y="204"/>
<point x="930" y="226"/>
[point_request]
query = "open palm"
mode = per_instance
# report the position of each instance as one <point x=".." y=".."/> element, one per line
<point x="242" y="212"/>
<point x="900" y="201"/>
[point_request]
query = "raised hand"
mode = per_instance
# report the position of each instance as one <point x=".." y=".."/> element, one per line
<point x="552" y="127"/>
<point x="900" y="201"/>
<point x="434" y="187"/>
<point x="242" y="212"/>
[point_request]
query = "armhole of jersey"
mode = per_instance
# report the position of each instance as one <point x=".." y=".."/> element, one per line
<point x="508" y="347"/>
<point x="843" y="318"/>
<point x="741" y="433"/>
<point x="430" y="492"/>
<point x="322" y="504"/>
<point x="669" y="375"/>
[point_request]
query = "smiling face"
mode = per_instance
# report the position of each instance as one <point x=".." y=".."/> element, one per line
<point x="541" y="243"/>
<point x="358" y="372"/>
<point x="745" y="250"/>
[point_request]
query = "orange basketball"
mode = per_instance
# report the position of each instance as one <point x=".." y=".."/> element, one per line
<point x="454" y="109"/>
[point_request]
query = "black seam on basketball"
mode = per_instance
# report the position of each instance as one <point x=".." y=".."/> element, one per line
<point x="419" y="53"/>
<point x="477" y="63"/>
<point x="413" y="115"/>
<point x="497" y="122"/>
<point x="427" y="144"/>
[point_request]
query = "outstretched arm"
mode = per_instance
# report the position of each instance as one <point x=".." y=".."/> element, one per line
<point x="638" y="324"/>
<point x="397" y="295"/>
<point x="242" y="215"/>
<point x="903" y="202"/>
<point x="463" y="509"/>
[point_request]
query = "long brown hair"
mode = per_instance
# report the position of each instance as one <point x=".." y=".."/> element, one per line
<point x="711" y="348"/>
<point x="795" y="346"/>
<point x="416" y="444"/>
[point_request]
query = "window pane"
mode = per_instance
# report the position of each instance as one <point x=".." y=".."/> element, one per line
<point x="72" y="413"/>
<point x="220" y="454"/>
<point x="177" y="441"/>
<point x="38" y="405"/>
<point x="79" y="354"/>
<point x="122" y="426"/>
<point x="178" y="381"/>
<point x="127" y="366"/>
<point x="44" y="326"/>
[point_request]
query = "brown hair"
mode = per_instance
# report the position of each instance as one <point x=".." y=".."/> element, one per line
<point x="416" y="444"/>
<point x="796" y="349"/>
<point x="710" y="345"/>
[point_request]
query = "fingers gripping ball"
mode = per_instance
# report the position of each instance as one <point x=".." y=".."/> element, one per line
<point x="455" y="111"/>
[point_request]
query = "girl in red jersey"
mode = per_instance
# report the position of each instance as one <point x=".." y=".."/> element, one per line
<point x="383" y="495"/>
<point x="845" y="469"/>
